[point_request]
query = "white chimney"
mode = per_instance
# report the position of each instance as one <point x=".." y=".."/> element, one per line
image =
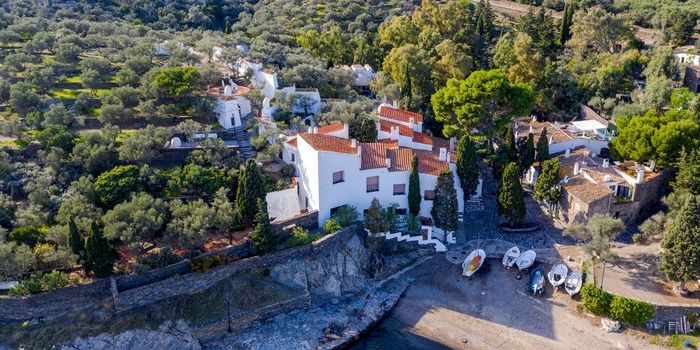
<point x="607" y="178"/>
<point x="577" y="167"/>
<point x="379" y="128"/>
<point x="534" y="118"/>
<point x="411" y="121"/>
<point x="652" y="165"/>
<point x="606" y="163"/>
<point x="532" y="130"/>
<point x="388" y="162"/>
<point x="310" y="130"/>
<point x="353" y="143"/>
<point x="551" y="140"/>
<point x="315" y="129"/>
<point x="359" y="150"/>
<point x="568" y="153"/>
<point x="566" y="179"/>
<point x="443" y="154"/>
<point x="453" y="140"/>
<point x="393" y="105"/>
<point x="640" y="176"/>
<point x="517" y="135"/>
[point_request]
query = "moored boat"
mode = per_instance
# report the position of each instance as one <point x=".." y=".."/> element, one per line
<point x="473" y="262"/>
<point x="510" y="256"/>
<point x="526" y="259"/>
<point x="573" y="282"/>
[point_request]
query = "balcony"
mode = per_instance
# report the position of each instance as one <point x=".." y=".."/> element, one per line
<point x="372" y="188"/>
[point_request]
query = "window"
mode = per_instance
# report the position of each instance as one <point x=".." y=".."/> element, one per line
<point x="399" y="189"/>
<point x="338" y="176"/>
<point x="373" y="184"/>
<point x="293" y="158"/>
<point x="429" y="195"/>
<point x="624" y="191"/>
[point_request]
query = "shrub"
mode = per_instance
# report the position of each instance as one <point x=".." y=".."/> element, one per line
<point x="28" y="235"/>
<point x="160" y="259"/>
<point x="345" y="215"/>
<point x="300" y="237"/>
<point x="595" y="300"/>
<point x="201" y="265"/>
<point x="331" y="226"/>
<point x="38" y="282"/>
<point x="630" y="311"/>
<point x="288" y="170"/>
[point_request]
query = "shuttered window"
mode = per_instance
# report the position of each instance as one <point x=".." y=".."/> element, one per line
<point x="373" y="184"/>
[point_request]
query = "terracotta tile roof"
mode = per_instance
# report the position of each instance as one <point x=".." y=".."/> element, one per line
<point x="420" y="137"/>
<point x="400" y="115"/>
<point x="389" y="143"/>
<point x="293" y="142"/>
<point x="331" y="128"/>
<point x="327" y="143"/>
<point x="585" y="190"/>
<point x="429" y="162"/>
<point x="403" y="130"/>
<point x="400" y="159"/>
<point x="444" y="143"/>
<point x="558" y="134"/>
<point x="373" y="156"/>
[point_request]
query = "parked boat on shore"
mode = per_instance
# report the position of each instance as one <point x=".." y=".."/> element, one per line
<point x="526" y="259"/>
<point x="473" y="262"/>
<point x="510" y="256"/>
<point x="573" y="282"/>
<point x="557" y="275"/>
<point x="536" y="282"/>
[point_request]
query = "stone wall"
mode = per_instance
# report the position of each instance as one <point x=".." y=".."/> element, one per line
<point x="309" y="221"/>
<point x="665" y="313"/>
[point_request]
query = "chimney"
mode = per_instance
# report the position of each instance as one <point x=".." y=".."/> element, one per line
<point x="388" y="162"/>
<point x="453" y="140"/>
<point x="551" y="140"/>
<point x="568" y="153"/>
<point x="379" y="128"/>
<point x="353" y="143"/>
<point x="315" y="129"/>
<point x="223" y="82"/>
<point x="534" y="118"/>
<point x="577" y="167"/>
<point x="606" y="163"/>
<point x="566" y="179"/>
<point x="346" y="131"/>
<point x="310" y="130"/>
<point x="532" y="130"/>
<point x="411" y="121"/>
<point x="652" y="165"/>
<point x="517" y="135"/>
<point x="640" y="176"/>
<point x="393" y="105"/>
<point x="359" y="150"/>
<point x="443" y="154"/>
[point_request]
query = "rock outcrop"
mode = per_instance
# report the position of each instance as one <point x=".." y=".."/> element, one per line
<point x="174" y="336"/>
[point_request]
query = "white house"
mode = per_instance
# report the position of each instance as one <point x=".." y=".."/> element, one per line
<point x="689" y="59"/>
<point x="162" y="48"/>
<point x="232" y="103"/>
<point x="364" y="74"/>
<point x="334" y="171"/>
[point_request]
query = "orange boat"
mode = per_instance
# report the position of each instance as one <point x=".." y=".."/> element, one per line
<point x="473" y="262"/>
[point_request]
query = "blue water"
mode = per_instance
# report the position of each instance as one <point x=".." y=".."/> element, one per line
<point x="390" y="334"/>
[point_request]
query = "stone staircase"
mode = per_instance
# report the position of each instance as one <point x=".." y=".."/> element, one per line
<point x="242" y="136"/>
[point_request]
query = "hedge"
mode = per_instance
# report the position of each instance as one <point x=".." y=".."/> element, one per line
<point x="600" y="302"/>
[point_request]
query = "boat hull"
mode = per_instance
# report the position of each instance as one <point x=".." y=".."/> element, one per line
<point x="510" y="256"/>
<point x="473" y="262"/>
<point x="526" y="259"/>
<point x="536" y="282"/>
<point x="573" y="282"/>
<point x="557" y="275"/>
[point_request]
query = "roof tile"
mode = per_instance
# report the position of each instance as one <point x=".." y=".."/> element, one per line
<point x="327" y="143"/>
<point x="373" y="156"/>
<point x="400" y="159"/>
<point x="331" y="128"/>
<point x="400" y="115"/>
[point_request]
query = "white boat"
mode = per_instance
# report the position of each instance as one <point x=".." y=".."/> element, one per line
<point x="557" y="275"/>
<point x="573" y="282"/>
<point x="510" y="256"/>
<point x="473" y="262"/>
<point x="526" y="259"/>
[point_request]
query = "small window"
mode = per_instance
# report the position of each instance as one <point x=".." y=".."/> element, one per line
<point x="429" y="195"/>
<point x="399" y="189"/>
<point x="293" y="158"/>
<point x="373" y="184"/>
<point x="338" y="176"/>
<point x="402" y="211"/>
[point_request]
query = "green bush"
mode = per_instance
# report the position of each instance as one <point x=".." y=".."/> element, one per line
<point x="331" y="226"/>
<point x="38" y="282"/>
<point x="300" y="237"/>
<point x="201" y="265"/>
<point x="288" y="170"/>
<point x="160" y="259"/>
<point x="28" y="235"/>
<point x="345" y="215"/>
<point x="630" y="311"/>
<point x="595" y="300"/>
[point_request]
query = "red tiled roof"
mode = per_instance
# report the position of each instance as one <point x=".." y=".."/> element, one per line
<point x="331" y="128"/>
<point x="444" y="143"/>
<point x="389" y="143"/>
<point x="403" y="130"/>
<point x="328" y="143"/>
<point x="400" y="159"/>
<point x="400" y="115"/>
<point x="293" y="142"/>
<point x="420" y="137"/>
<point x="373" y="156"/>
<point x="429" y="163"/>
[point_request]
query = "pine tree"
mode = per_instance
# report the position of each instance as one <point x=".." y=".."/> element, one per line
<point x="680" y="259"/>
<point x="75" y="240"/>
<point x="100" y="257"/>
<point x="688" y="176"/>
<point x="250" y="188"/>
<point x="262" y="238"/>
<point x="511" y="204"/>
<point x="542" y="147"/>
<point x="547" y="185"/>
<point x="467" y="166"/>
<point x="368" y="131"/>
<point x="227" y="30"/>
<point x="527" y="154"/>
<point x="414" y="197"/>
<point x="445" y="205"/>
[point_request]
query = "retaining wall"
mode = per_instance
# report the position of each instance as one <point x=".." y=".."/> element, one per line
<point x="309" y="221"/>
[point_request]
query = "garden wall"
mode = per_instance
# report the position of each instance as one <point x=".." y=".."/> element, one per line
<point x="309" y="221"/>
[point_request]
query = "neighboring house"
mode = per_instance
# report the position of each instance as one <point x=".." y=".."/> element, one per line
<point x="364" y="74"/>
<point x="334" y="171"/>
<point x="591" y="184"/>
<point x="161" y="49"/>
<point x="589" y="133"/>
<point x="686" y="57"/>
<point x="232" y="103"/>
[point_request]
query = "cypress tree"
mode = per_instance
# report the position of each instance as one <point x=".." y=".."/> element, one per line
<point x="511" y="204"/>
<point x="527" y="154"/>
<point x="227" y="30"/>
<point x="688" y="176"/>
<point x="100" y="256"/>
<point x="414" y="188"/>
<point x="75" y="240"/>
<point x="444" y="210"/>
<point x="406" y="87"/>
<point x="565" y="31"/>
<point x="250" y="188"/>
<point x="511" y="150"/>
<point x="368" y="131"/>
<point x="542" y="147"/>
<point x="680" y="259"/>
<point x="262" y="238"/>
<point x="467" y="166"/>
<point x="547" y="185"/>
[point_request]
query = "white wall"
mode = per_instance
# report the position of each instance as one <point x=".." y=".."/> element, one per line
<point x="282" y="205"/>
<point x="307" y="169"/>
<point x="593" y="145"/>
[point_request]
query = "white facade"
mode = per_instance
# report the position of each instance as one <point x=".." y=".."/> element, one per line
<point x="231" y="109"/>
<point x="688" y="59"/>
<point x="364" y="74"/>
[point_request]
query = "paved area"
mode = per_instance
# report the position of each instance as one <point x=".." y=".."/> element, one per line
<point x="444" y="310"/>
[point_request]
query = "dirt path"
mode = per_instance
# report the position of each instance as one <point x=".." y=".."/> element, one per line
<point x="442" y="309"/>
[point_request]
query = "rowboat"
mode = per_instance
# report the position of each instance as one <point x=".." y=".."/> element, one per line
<point x="510" y="256"/>
<point x="573" y="282"/>
<point x="557" y="275"/>
<point x="473" y="262"/>
<point x="536" y="282"/>
<point x="526" y="259"/>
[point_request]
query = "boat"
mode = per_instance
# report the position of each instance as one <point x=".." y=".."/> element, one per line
<point x="557" y="275"/>
<point x="573" y="282"/>
<point x="510" y="256"/>
<point x="473" y="262"/>
<point x="536" y="282"/>
<point x="526" y="259"/>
